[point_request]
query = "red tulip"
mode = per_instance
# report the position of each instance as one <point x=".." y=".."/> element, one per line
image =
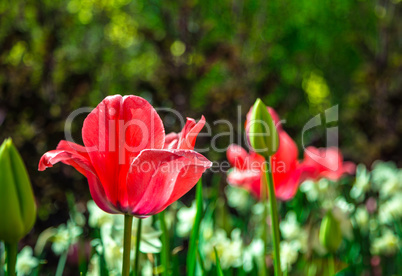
<point x="328" y="163"/>
<point x="287" y="172"/>
<point x="128" y="169"/>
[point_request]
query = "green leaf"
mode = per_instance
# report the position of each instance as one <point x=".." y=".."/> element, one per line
<point x="201" y="261"/>
<point x="192" y="250"/>
<point x="219" y="271"/>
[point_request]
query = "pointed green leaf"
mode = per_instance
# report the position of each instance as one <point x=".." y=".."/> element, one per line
<point x="192" y="250"/>
<point x="219" y="271"/>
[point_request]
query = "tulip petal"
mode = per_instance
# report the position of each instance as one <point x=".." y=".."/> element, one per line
<point x="72" y="158"/>
<point x="287" y="188"/>
<point x="324" y="158"/>
<point x="66" y="154"/>
<point x="159" y="177"/>
<point x="186" y="180"/>
<point x="242" y="178"/>
<point x="99" y="196"/>
<point x="114" y="133"/>
<point x="171" y="141"/>
<point x="70" y="146"/>
<point x="328" y="163"/>
<point x="349" y="167"/>
<point x="287" y="152"/>
<point x="237" y="156"/>
<point x="190" y="132"/>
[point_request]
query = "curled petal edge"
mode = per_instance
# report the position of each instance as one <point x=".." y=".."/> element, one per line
<point x="81" y="164"/>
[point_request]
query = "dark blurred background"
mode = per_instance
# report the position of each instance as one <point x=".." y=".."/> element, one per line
<point x="198" y="57"/>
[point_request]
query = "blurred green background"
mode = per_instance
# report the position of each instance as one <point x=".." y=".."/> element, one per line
<point x="198" y="57"/>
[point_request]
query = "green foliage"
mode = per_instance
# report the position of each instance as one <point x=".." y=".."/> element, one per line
<point x="219" y="271"/>
<point x="193" y="246"/>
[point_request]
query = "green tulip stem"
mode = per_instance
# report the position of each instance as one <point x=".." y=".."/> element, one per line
<point x="264" y="226"/>
<point x="62" y="263"/>
<point x="137" y="249"/>
<point x="331" y="265"/>
<point x="12" y="250"/>
<point x="274" y="217"/>
<point x="165" y="244"/>
<point x="128" y="223"/>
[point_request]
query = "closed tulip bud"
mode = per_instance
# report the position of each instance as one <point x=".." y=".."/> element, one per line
<point x="17" y="205"/>
<point x="262" y="131"/>
<point x="330" y="233"/>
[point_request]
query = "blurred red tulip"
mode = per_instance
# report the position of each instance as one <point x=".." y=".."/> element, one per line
<point x="287" y="172"/>
<point x="128" y="169"/>
<point x="327" y="162"/>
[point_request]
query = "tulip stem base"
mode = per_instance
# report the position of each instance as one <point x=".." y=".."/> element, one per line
<point x="11" y="250"/>
<point x="274" y="217"/>
<point x="128" y="223"/>
<point x="137" y="248"/>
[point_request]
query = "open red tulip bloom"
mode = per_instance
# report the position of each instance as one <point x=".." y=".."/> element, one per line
<point x="131" y="167"/>
<point x="287" y="171"/>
